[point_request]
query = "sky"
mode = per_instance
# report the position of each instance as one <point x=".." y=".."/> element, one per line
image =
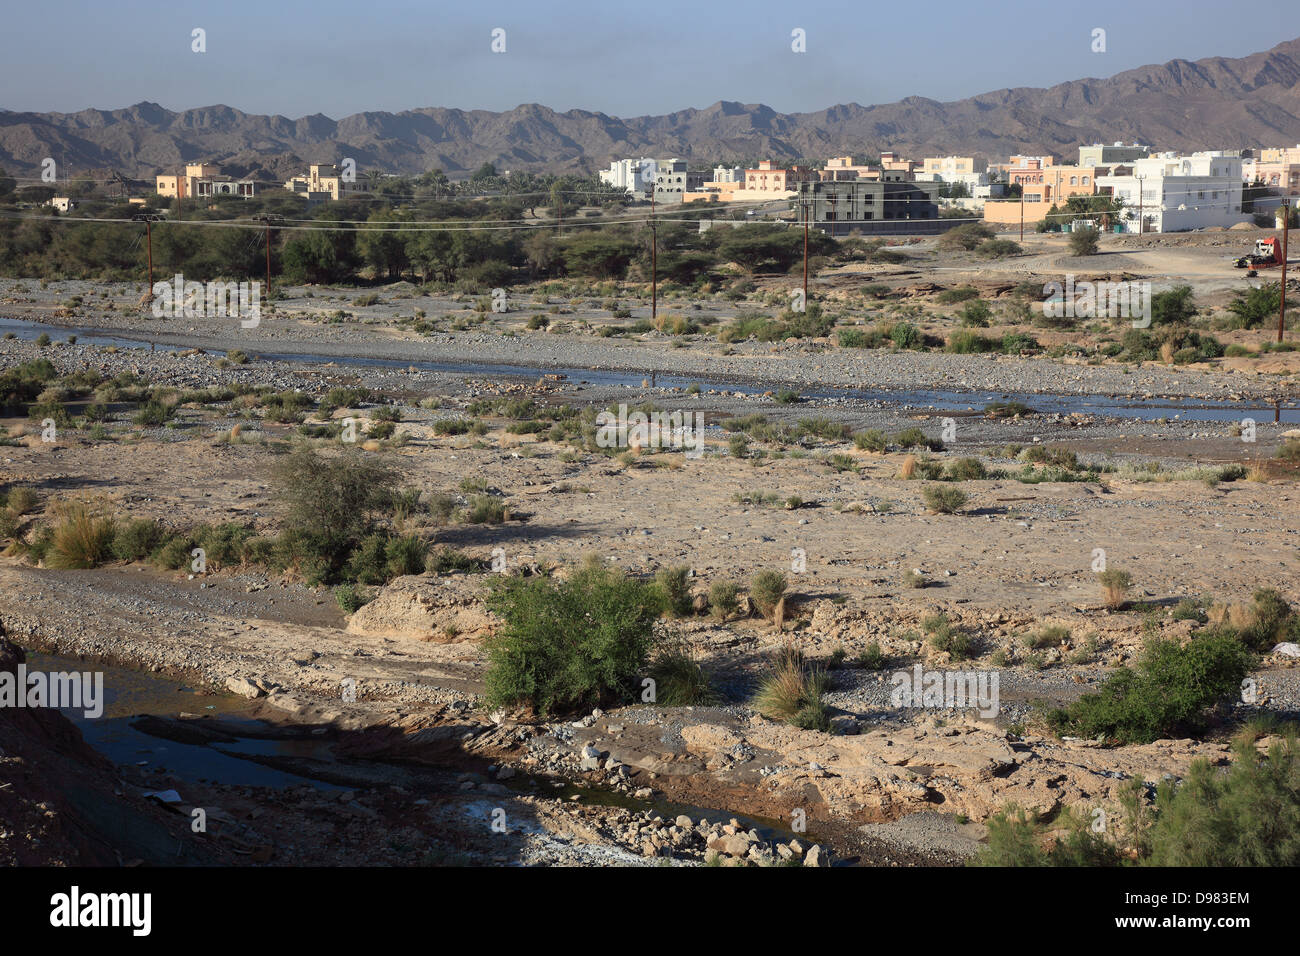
<point x="625" y="59"/>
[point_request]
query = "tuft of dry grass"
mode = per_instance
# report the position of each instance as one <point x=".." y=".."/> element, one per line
<point x="82" y="538"/>
<point x="1115" y="586"/>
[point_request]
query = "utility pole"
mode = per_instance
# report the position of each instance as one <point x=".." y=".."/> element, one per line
<point x="1286" y="229"/>
<point x="148" y="219"/>
<point x="267" y="220"/>
<point x="1142" y="223"/>
<point x="805" y="253"/>
<point x="1022" y="212"/>
<point x="654" y="260"/>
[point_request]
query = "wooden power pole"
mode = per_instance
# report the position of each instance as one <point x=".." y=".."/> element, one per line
<point x="1286" y="228"/>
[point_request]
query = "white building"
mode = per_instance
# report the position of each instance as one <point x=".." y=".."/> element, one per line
<point x="634" y="175"/>
<point x="724" y="174"/>
<point x="1179" y="193"/>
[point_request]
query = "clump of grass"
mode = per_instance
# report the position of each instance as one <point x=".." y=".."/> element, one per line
<point x="1115" y="585"/>
<point x="873" y="658"/>
<point x="723" y="598"/>
<point x="485" y="509"/>
<point x="767" y="588"/>
<point x="1051" y="635"/>
<point x="914" y="579"/>
<point x="81" y="538"/>
<point x="946" y="636"/>
<point x="679" y="679"/>
<point x="674" y="590"/>
<point x="794" y="692"/>
<point x="873" y="439"/>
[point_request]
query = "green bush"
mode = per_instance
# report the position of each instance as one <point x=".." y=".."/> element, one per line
<point x="905" y="335"/>
<point x="873" y="439"/>
<point x="136" y="539"/>
<point x="154" y="413"/>
<point x="570" y="644"/>
<point x="966" y="342"/>
<point x="1166" y="694"/>
<point x="350" y="598"/>
<point x="966" y="469"/>
<point x="942" y="499"/>
<point x="1083" y="242"/>
<point x="673" y="588"/>
<point x="1245" y="816"/>
<point x="793" y="692"/>
<point x="723" y="598"/>
<point x="767" y="588"/>
<point x="331" y="504"/>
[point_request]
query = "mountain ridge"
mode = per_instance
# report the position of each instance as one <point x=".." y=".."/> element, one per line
<point x="1215" y="102"/>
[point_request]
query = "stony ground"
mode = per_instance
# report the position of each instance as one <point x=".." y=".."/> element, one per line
<point x="895" y="788"/>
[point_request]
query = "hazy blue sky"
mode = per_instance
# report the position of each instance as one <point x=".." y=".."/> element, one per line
<point x="627" y="59"/>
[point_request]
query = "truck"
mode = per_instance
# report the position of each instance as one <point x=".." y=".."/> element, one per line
<point x="1267" y="252"/>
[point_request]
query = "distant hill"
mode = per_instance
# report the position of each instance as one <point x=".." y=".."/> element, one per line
<point x="1210" y="103"/>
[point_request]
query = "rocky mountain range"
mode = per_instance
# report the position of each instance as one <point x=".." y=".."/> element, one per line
<point x="1185" y="105"/>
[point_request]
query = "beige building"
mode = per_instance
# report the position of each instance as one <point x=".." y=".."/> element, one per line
<point x="324" y="181"/>
<point x="202" y="180"/>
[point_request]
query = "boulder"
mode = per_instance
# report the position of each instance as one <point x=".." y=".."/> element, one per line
<point x="425" y="608"/>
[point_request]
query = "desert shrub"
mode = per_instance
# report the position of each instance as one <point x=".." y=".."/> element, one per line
<point x="873" y="658"/>
<point x="767" y="588"/>
<point x="673" y="588"/>
<point x="966" y="469"/>
<point x="20" y="499"/>
<point x="1051" y="635"/>
<point x="822" y="427"/>
<point x="81" y="538"/>
<point x="569" y="644"/>
<point x="915" y="438"/>
<point x="998" y="249"/>
<point x="968" y="236"/>
<point x="136" y="539"/>
<point x="485" y="509"/>
<point x="975" y="313"/>
<point x="1013" y="343"/>
<point x="679" y="679"/>
<point x="1248" y="816"/>
<point x="1083" y="242"/>
<point x="905" y="335"/>
<point x="1256" y="305"/>
<point x="873" y="439"/>
<point x="451" y="426"/>
<point x="172" y="553"/>
<point x="961" y="293"/>
<point x="723" y="598"/>
<point x="1115" y="586"/>
<point x="154" y="413"/>
<point x="405" y="554"/>
<point x="942" y="499"/>
<point x="331" y="502"/>
<point x="350" y="598"/>
<point x="1166" y="694"/>
<point x="967" y="342"/>
<point x="946" y="636"/>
